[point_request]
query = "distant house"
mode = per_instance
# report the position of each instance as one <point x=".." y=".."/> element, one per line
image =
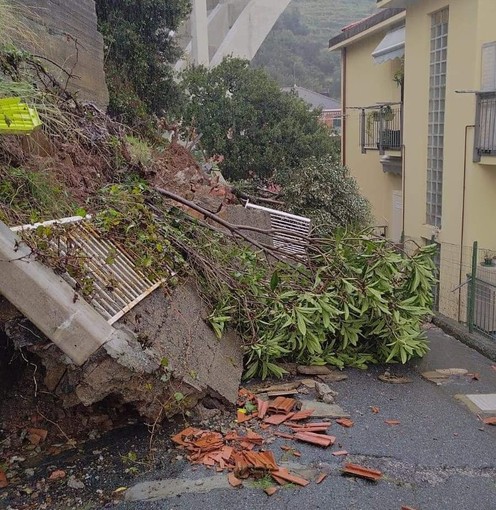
<point x="331" y="108"/>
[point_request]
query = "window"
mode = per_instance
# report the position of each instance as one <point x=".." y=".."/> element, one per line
<point x="437" y="94"/>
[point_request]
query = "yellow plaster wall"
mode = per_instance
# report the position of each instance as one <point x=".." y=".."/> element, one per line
<point x="368" y="83"/>
<point x="471" y="23"/>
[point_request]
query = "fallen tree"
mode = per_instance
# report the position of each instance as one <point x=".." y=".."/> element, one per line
<point x="354" y="300"/>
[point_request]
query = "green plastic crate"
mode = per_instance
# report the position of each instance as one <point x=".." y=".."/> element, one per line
<point x="17" y="118"/>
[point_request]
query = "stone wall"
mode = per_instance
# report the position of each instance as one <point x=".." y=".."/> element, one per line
<point x="65" y="31"/>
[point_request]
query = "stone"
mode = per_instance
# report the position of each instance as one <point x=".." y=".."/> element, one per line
<point x="328" y="399"/>
<point x="73" y="483"/>
<point x="333" y="377"/>
<point x="323" y="410"/>
<point x="323" y="389"/>
<point x="313" y="370"/>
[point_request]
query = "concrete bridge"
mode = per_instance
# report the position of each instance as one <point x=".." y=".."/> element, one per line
<point x="219" y="28"/>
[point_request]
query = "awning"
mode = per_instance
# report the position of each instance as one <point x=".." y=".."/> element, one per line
<point x="391" y="47"/>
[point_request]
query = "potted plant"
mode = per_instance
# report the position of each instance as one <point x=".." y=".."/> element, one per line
<point x="488" y="259"/>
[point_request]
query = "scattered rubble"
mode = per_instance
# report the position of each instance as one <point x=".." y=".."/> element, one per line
<point x="243" y="453"/>
<point x="388" y="377"/>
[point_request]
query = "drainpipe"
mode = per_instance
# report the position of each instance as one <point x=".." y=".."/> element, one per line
<point x="343" y="106"/>
<point x="462" y="228"/>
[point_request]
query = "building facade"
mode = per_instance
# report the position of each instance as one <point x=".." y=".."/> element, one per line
<point x="419" y="103"/>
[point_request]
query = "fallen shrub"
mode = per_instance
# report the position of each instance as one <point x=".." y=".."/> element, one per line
<point x="356" y="300"/>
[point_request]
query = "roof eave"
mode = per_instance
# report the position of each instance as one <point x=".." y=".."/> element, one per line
<point x="362" y="30"/>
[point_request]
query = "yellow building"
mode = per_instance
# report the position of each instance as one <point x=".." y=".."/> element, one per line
<point x="419" y="135"/>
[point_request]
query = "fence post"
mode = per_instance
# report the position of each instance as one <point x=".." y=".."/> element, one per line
<point x="472" y="284"/>
<point x="362" y="131"/>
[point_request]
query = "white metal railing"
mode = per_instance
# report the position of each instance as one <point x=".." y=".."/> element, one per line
<point x="119" y="285"/>
<point x="291" y="231"/>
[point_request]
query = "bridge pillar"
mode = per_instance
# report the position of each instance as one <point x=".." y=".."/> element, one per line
<point x="199" y="33"/>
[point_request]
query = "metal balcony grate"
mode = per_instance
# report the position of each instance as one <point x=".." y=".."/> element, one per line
<point x="118" y="285"/>
<point x="292" y="231"/>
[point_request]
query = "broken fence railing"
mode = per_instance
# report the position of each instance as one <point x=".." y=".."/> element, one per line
<point x="118" y="286"/>
<point x="290" y="230"/>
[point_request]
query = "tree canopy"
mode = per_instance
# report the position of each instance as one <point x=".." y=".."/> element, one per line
<point x="243" y="115"/>
<point x="139" y="44"/>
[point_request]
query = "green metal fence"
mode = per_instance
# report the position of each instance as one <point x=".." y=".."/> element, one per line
<point x="481" y="302"/>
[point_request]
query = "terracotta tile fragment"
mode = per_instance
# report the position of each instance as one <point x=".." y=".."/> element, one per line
<point x="321" y="478"/>
<point x="285" y="475"/>
<point x="284" y="435"/>
<point x="317" y="439"/>
<point x="241" y="417"/>
<point x="302" y="415"/>
<point x="58" y="474"/>
<point x="282" y="405"/>
<point x="277" y="419"/>
<point x="262" y="407"/>
<point x="270" y="491"/>
<point x="375" y="409"/>
<point x="392" y="422"/>
<point x="491" y="420"/>
<point x="36" y="436"/>
<point x="345" y="422"/>
<point x="3" y="480"/>
<point x="233" y="480"/>
<point x="407" y="508"/>
<point x="362" y="472"/>
<point x="340" y="453"/>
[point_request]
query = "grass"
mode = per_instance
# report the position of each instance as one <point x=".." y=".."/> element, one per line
<point x="27" y="197"/>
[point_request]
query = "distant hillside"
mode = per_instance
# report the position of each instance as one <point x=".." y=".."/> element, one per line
<point x="296" y="49"/>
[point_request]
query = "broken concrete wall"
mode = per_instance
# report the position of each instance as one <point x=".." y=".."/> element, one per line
<point x="176" y="329"/>
<point x="171" y="330"/>
<point x="239" y="215"/>
<point x="66" y="33"/>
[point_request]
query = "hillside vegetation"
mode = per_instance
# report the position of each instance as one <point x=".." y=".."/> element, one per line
<point x="295" y="51"/>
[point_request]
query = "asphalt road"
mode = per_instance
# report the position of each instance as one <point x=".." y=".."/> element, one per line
<point x="440" y="456"/>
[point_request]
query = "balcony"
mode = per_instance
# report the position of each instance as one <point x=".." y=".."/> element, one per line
<point x="380" y="128"/>
<point x="485" y="128"/>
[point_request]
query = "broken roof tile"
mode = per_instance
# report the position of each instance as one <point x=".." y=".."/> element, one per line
<point x="321" y="478"/>
<point x="362" y="472"/>
<point x="234" y="481"/>
<point x="277" y="419"/>
<point x="285" y="475"/>
<point x="302" y="415"/>
<point x="317" y="439"/>
<point x="345" y="422"/>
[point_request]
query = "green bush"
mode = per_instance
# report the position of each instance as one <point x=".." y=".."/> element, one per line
<point x="327" y="193"/>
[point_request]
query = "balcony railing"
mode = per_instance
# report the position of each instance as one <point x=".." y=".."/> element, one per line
<point x="485" y="125"/>
<point x="381" y="128"/>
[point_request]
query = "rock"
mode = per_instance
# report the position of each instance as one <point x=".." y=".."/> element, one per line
<point x="323" y="410"/>
<point x="313" y="370"/>
<point x="206" y="414"/>
<point x="309" y="383"/>
<point x="75" y="484"/>
<point x="196" y="363"/>
<point x="328" y="399"/>
<point x="323" y="389"/>
<point x="333" y="377"/>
